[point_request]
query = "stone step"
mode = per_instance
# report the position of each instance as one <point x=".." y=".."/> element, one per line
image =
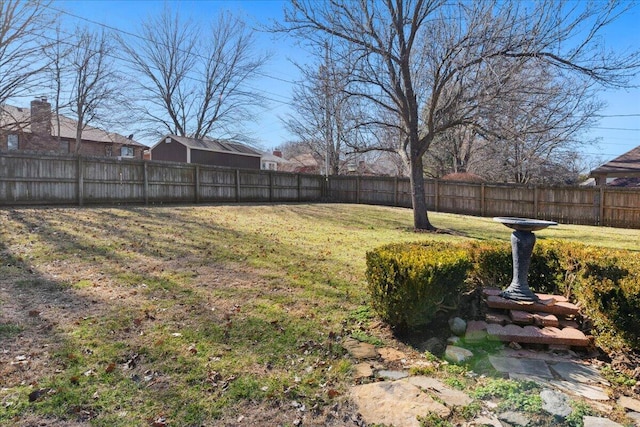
<point x="536" y="335"/>
<point x="552" y="306"/>
<point x="496" y="292"/>
<point x="530" y="318"/>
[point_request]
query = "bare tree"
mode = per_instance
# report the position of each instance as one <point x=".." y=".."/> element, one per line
<point x="193" y="81"/>
<point x="96" y="85"/>
<point x="416" y="60"/>
<point x="57" y="54"/>
<point x="324" y="118"/>
<point x="23" y="25"/>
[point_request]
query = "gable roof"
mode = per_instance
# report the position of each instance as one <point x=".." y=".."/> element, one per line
<point x="208" y="144"/>
<point x="19" y="119"/>
<point x="627" y="164"/>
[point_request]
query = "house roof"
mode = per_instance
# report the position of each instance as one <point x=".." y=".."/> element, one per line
<point x="208" y="144"/>
<point x="271" y="158"/>
<point x="627" y="164"/>
<point x="16" y="118"/>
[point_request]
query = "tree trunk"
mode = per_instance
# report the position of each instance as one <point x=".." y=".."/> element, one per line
<point x="418" y="197"/>
<point x="78" y="142"/>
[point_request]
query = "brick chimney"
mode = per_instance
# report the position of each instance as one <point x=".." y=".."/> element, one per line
<point x="277" y="153"/>
<point x="41" y="125"/>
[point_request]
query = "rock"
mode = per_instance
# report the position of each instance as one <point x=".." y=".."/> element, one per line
<point x="512" y="365"/>
<point x="393" y="375"/>
<point x="433" y="345"/>
<point x="391" y="354"/>
<point x="629" y="403"/>
<point x="360" y="350"/>
<point x="453" y="340"/>
<point x="457" y="354"/>
<point x="458" y="326"/>
<point x="362" y="370"/>
<point x="395" y="403"/>
<point x="556" y="403"/>
<point x="449" y="396"/>
<point x="486" y="420"/>
<point x="599" y="422"/>
<point x="578" y="372"/>
<point x="514" y="418"/>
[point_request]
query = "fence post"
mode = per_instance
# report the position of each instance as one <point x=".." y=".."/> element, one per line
<point x="145" y="189"/>
<point x="80" y="181"/>
<point x="601" y="222"/>
<point x="299" y="188"/>
<point x="483" y="206"/>
<point x="437" y="195"/>
<point x="358" y="189"/>
<point x="196" y="171"/>
<point x="535" y="202"/>
<point x="270" y="186"/>
<point x="237" y="185"/>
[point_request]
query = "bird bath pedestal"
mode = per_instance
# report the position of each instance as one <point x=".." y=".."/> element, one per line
<point x="522" y="242"/>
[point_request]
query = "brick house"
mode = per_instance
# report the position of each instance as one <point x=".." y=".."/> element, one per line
<point x="206" y="151"/>
<point x="36" y="130"/>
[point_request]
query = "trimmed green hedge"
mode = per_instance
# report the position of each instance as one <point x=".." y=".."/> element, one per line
<point x="410" y="282"/>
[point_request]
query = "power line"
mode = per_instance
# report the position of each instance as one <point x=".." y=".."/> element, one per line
<point x="623" y="129"/>
<point x="616" y="115"/>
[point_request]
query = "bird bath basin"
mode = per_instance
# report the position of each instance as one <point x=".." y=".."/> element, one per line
<point x="522" y="242"/>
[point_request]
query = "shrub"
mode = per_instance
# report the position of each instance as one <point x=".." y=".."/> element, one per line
<point x="410" y="282"/>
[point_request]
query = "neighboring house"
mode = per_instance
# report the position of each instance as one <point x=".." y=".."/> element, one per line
<point x="302" y="163"/>
<point x="273" y="162"/>
<point x="624" y="166"/>
<point x="36" y="130"/>
<point x="206" y="151"/>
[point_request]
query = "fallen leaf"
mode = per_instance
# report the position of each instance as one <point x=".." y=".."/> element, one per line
<point x="110" y="368"/>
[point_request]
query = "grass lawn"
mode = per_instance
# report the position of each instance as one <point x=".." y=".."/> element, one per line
<point x="198" y="315"/>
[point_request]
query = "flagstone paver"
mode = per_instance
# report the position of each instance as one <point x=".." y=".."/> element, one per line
<point x="587" y="391"/>
<point x="521" y="366"/>
<point x="360" y="350"/>
<point x="449" y="396"/>
<point x="396" y="403"/>
<point x="574" y="371"/>
<point x="629" y="403"/>
<point x="393" y="375"/>
<point x="389" y="354"/>
<point x="599" y="422"/>
<point x="362" y="370"/>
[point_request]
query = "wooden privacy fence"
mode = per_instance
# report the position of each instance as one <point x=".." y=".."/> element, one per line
<point x="46" y="180"/>
<point x="31" y="179"/>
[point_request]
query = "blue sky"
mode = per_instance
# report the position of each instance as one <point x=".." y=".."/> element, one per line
<point x="618" y="130"/>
